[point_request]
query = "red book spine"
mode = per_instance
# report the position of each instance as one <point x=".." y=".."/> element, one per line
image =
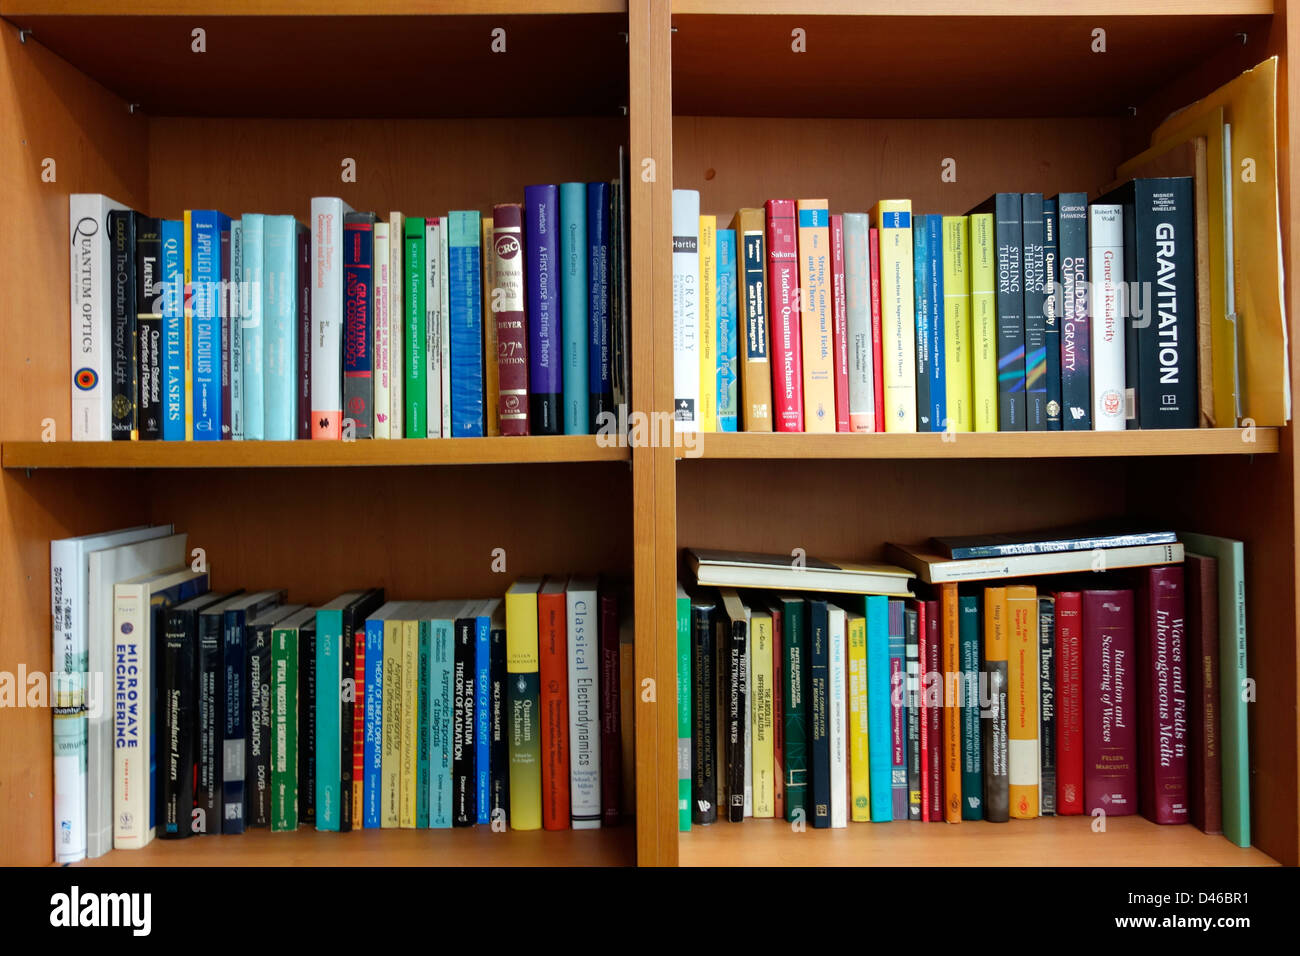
<point x="923" y="717"/>
<point x="778" y="713"/>
<point x="877" y="343"/>
<point x="507" y="306"/>
<point x="359" y="731"/>
<point x="840" y="324"/>
<point x="783" y="283"/>
<point x="304" y="333"/>
<point x="611" y="723"/>
<point x="1069" y="703"/>
<point x="1162" y="773"/>
<point x="1109" y="694"/>
<point x="1205" y="769"/>
<point x="934" y="713"/>
<point x="553" y="675"/>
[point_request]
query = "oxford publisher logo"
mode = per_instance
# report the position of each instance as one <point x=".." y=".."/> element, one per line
<point x="132" y="911"/>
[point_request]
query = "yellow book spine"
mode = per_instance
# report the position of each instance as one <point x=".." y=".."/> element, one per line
<point x="522" y="698"/>
<point x="957" y="324"/>
<point x="186" y="337"/>
<point x="708" y="415"/>
<point x="410" y="724"/>
<point x="390" y="754"/>
<point x="951" y="661"/>
<point x="859" y="741"/>
<point x="815" y="315"/>
<point x="1022" y="700"/>
<point x="984" y="322"/>
<point x="491" y="370"/>
<point x="761" y="717"/>
<point x="893" y="218"/>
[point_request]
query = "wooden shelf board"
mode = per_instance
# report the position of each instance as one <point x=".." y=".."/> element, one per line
<point x="948" y="8"/>
<point x="1017" y="64"/>
<point x="309" y="454"/>
<point x="1047" y="841"/>
<point x="14" y="9"/>
<point x="471" y="846"/>
<point x="1127" y="444"/>
<point x="270" y="66"/>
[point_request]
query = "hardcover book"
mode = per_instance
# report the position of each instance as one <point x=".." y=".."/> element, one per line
<point x="599" y="344"/>
<point x="552" y="618"/>
<point x="993" y="732"/>
<point x="836" y="711"/>
<point x="898" y="708"/>
<point x="784" y="316"/>
<point x="984" y="322"/>
<point x="817" y="332"/>
<point x="1023" y="700"/>
<point x="794" y="712"/>
<point x="972" y="763"/>
<point x="707" y="411"/>
<point x="1047" y="706"/>
<point x="1052" y="311"/>
<point x="91" y="315"/>
<point x="819" y="743"/>
<point x="285" y="717"/>
<point x="574" y="292"/>
<point x="912" y="652"/>
<point x="957" y="328"/>
<point x="1204" y="764"/>
<point x="1106" y="314"/>
<point x="704" y="718"/>
<point x="898" y="329"/>
<point x="879" y="611"/>
<point x="523" y="700"/>
<point x="542" y="281"/>
<point x="253" y="246"/>
<point x="728" y="330"/>
<point x="174" y="331"/>
<point x="761" y="713"/>
<point x="1069" y="703"/>
<point x="1076" y="336"/>
<point x="465" y="282"/>
<point x="1110" y="728"/>
<point x="755" y="366"/>
<point x="581" y="641"/>
<point x="507" y="306"/>
<point x="327" y="313"/>
<point x="840" y="323"/>
<point x="121" y="230"/>
<point x="1162" y="719"/>
<point x="415" y="386"/>
<point x="859" y="722"/>
<point x="1008" y="250"/>
<point x="280" y="341"/>
<point x="149" y="319"/>
<point x="359" y="322"/>
<point x="857" y="302"/>
<point x="1034" y="264"/>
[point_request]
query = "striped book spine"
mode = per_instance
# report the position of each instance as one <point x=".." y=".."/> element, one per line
<point x="466" y="321"/>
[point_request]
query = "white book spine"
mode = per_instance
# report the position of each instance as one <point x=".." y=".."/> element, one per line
<point x="897" y="319"/>
<point x="1106" y="283"/>
<point x="383" y="356"/>
<point x="68" y="607"/>
<point x="327" y="214"/>
<point x="584" y="706"/>
<point x="132" y="713"/>
<point x="433" y="326"/>
<point x="91" y="314"/>
<point x="686" y="309"/>
<point x="444" y="327"/>
<point x="749" y="714"/>
<point x="837" y="716"/>
<point x="396" y="317"/>
<point x="857" y="289"/>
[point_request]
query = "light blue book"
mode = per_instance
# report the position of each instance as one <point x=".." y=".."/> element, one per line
<point x="173" y="329"/>
<point x="483" y="708"/>
<point x="574" y="289"/>
<point x="934" y="293"/>
<point x="329" y="710"/>
<point x="280" y="339"/>
<point x="442" y="621"/>
<point x="897" y="677"/>
<point x="728" y="335"/>
<point x="206" y="227"/>
<point x="235" y="371"/>
<point x="253" y="324"/>
<point x="465" y="303"/>
<point x="879" y="731"/>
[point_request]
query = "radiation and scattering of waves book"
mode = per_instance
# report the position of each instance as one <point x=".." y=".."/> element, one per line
<point x="214" y="327"/>
<point x="997" y="693"/>
<point x="236" y="710"/>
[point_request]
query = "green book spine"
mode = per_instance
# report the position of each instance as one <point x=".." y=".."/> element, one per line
<point x="794" y="614"/>
<point x="423" y="727"/>
<point x="284" y="729"/>
<point x="972" y="777"/>
<point x="415" y="425"/>
<point x="684" y="692"/>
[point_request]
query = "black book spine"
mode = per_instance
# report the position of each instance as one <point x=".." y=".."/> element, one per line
<point x="347" y="714"/>
<point x="1052" y="311"/>
<point x="1047" y="706"/>
<point x="464" y="807"/>
<point x="211" y="724"/>
<point x="234" y="744"/>
<point x="303" y="384"/>
<point x="993" y="742"/>
<point x="704" y="754"/>
<point x="1008" y="236"/>
<point x="912" y="658"/>
<point x="737" y="650"/>
<point x="499" y="761"/>
<point x="1076" y="349"/>
<point x="176" y="743"/>
<point x="121" y="227"/>
<point x="307" y="724"/>
<point x="1033" y="263"/>
<point x="148" y="284"/>
<point x="819" y="741"/>
<point x="259" y="727"/>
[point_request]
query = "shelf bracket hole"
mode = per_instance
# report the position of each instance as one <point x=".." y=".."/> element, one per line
<point x="133" y="108"/>
<point x="23" y="34"/>
<point x="1243" y="38"/>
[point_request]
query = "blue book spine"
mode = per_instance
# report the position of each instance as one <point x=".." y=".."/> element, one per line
<point x="1075" y="348"/>
<point x="440" y="710"/>
<point x="573" y="306"/>
<point x="934" y="293"/>
<point x="1052" y="312"/>
<point x="483" y="716"/>
<point x="728" y="333"/>
<point x="921" y="303"/>
<point x="879" y="731"/>
<point x="329" y="704"/>
<point x="234" y="664"/>
<point x="423" y="763"/>
<point x="253" y="323"/>
<point x="972" y="773"/>
<point x="601" y="398"/>
<point x="374" y="725"/>
<point x="206" y="226"/>
<point x="897" y="708"/>
<point x="173" y="324"/>
<point x="819" y="742"/>
<point x="542" y="280"/>
<point x="465" y="299"/>
<point x="279" y="342"/>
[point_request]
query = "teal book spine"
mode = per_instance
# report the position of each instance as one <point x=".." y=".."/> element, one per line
<point x="414" y="424"/>
<point x="573" y="307"/>
<point x="879" y="731"/>
<point x="280" y="339"/>
<point x="898" y="709"/>
<point x="684" y="692"/>
<point x="972" y="776"/>
<point x="424" y="727"/>
<point x="251" y="302"/>
<point x="794" y="615"/>
<point x="465" y="323"/>
<point x="727" y="320"/>
<point x="329" y="707"/>
<point x="440" y="705"/>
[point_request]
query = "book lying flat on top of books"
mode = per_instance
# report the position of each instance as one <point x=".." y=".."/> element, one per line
<point x="743" y="569"/>
<point x="937" y="569"/>
<point x="1049" y="540"/>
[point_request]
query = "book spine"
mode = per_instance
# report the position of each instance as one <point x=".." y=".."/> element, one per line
<point x="256" y="293"/>
<point x="859" y="723"/>
<point x="857" y="303"/>
<point x="211" y="720"/>
<point x="584" y="770"/>
<point x="436" y="233"/>
<point x="234" y="730"/>
<point x="381" y="343"/>
<point x="359" y="323"/>
<point x="1162" y="775"/>
<point x="545" y="385"/>
<point x="258" y="771"/>
<point x="465" y="279"/>
<point x="1052" y="311"/>
<point x="615" y="721"/>
<point x="442" y="709"/>
<point x="957" y="341"/>
<point x="482" y="718"/>
<point x="507" y="306"/>
<point x="178" y="681"/>
<point x="121" y="227"/>
<point x="1047" y="706"/>
<point x="307" y="724"/>
<point x="407" y="716"/>
<point x="993" y="733"/>
<point x="574" y="292"/>
<point x="707" y="411"/>
<point x="949" y="608"/>
<point x="1204" y="768"/>
<point x="934" y="293"/>
<point x="397" y="324"/>
<point x="390" y="750"/>
<point x="898" y="707"/>
<point x="224" y="301"/>
<point x="525" y="741"/>
<point x="601" y="386"/>
<point x="735" y="696"/>
<point x="912" y="652"/>
<point x="764" y="788"/>
<point x="703" y="749"/>
<point x="784" y="309"/>
<point x="1034" y="264"/>
<point x="897" y="314"/>
<point x="1076" y="348"/>
<point x="487" y="320"/>
<point x="284" y="729"/>
<point x="205" y="325"/>
<point x="686" y="310"/>
<point x="500" y="729"/>
<point x="327" y="315"/>
<point x="819" y="748"/>
<point x="756" y="364"/>
<point x="1110" y="728"/>
<point x="1023" y="698"/>
<point x="836" y="716"/>
<point x="972" y="776"/>
<point x="1069" y="703"/>
<point x="303" y="318"/>
<point x="187" y="299"/>
<point x="347" y="717"/>
<point x="357" y="734"/>
<point x="415" y="425"/>
<point x="329" y="705"/>
<point x="816" y="318"/>
<point x="553" y="678"/>
<point x="728" y="320"/>
<point x="235" y="319"/>
<point x="91" y="317"/>
<point x="372" y="775"/>
<point x="173" y="331"/>
<point x="933" y="687"/>
<point x="924" y="697"/>
<point x="424" y="757"/>
<point x="464" y="791"/>
<point x="1008" y="239"/>
<point x="840" y="324"/>
<point x="132" y="715"/>
<point x="879" y="611"/>
<point x="794" y="634"/>
<point x="921" y="279"/>
<point x="778" y="715"/>
<point x="148" y="309"/>
<point x="984" y="323"/>
<point x="442" y="336"/>
<point x="280" y="316"/>
<point x="877" y="338"/>
<point x="1106" y="309"/>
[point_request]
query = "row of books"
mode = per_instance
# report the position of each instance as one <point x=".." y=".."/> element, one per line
<point x="1113" y="694"/>
<point x="217" y="711"/>
<point x="257" y="327"/>
<point x="1028" y="313"/>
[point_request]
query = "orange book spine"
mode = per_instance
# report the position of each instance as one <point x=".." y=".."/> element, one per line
<point x="553" y="676"/>
<point x="949" y="608"/>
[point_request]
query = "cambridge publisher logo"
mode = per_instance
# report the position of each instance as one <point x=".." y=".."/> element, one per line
<point x="133" y="911"/>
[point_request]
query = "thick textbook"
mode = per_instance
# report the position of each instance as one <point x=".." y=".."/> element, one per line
<point x="728" y="318"/>
<point x="329" y="710"/>
<point x="1034" y="265"/>
<point x="523" y="702"/>
<point x="1085" y="537"/>
<point x="600" y="290"/>
<point x="879" y="723"/>
<point x="1162" y="716"/>
<point x="1008" y="243"/>
<point x="1052" y="310"/>
<point x="279" y="341"/>
<point x="957" y="342"/>
<point x="994" y="726"/>
<point x="686" y="309"/>
<point x="1074" y="305"/>
<point x="936" y="569"/>
<point x="285" y="715"/>
<point x="984" y="322"/>
<point x="542" y="280"/>
<point x="552" y="675"/>
<point x="507" y="309"/>
<point x="744" y="569"/>
<point x="574" y="304"/>
<point x="1069" y="703"/>
<point x="1110" y="727"/>
<point x="91" y="315"/>
<point x="795" y="689"/>
<point x="327" y="316"/>
<point x="784" y="308"/>
<point x="583" y="653"/>
<point x="704" y="742"/>
<point x="209" y="316"/>
<point x="253" y="304"/>
<point x="1106" y="309"/>
<point x="121" y="235"/>
<point x="359" y="322"/>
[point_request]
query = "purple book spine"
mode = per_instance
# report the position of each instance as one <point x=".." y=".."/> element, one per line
<point x="1162" y="784"/>
<point x="1109" y="704"/>
<point x="542" y="281"/>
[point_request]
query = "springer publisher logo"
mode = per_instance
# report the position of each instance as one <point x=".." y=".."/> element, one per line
<point x="130" y="910"/>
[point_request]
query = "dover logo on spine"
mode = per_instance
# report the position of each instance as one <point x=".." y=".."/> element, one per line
<point x="86" y="379"/>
